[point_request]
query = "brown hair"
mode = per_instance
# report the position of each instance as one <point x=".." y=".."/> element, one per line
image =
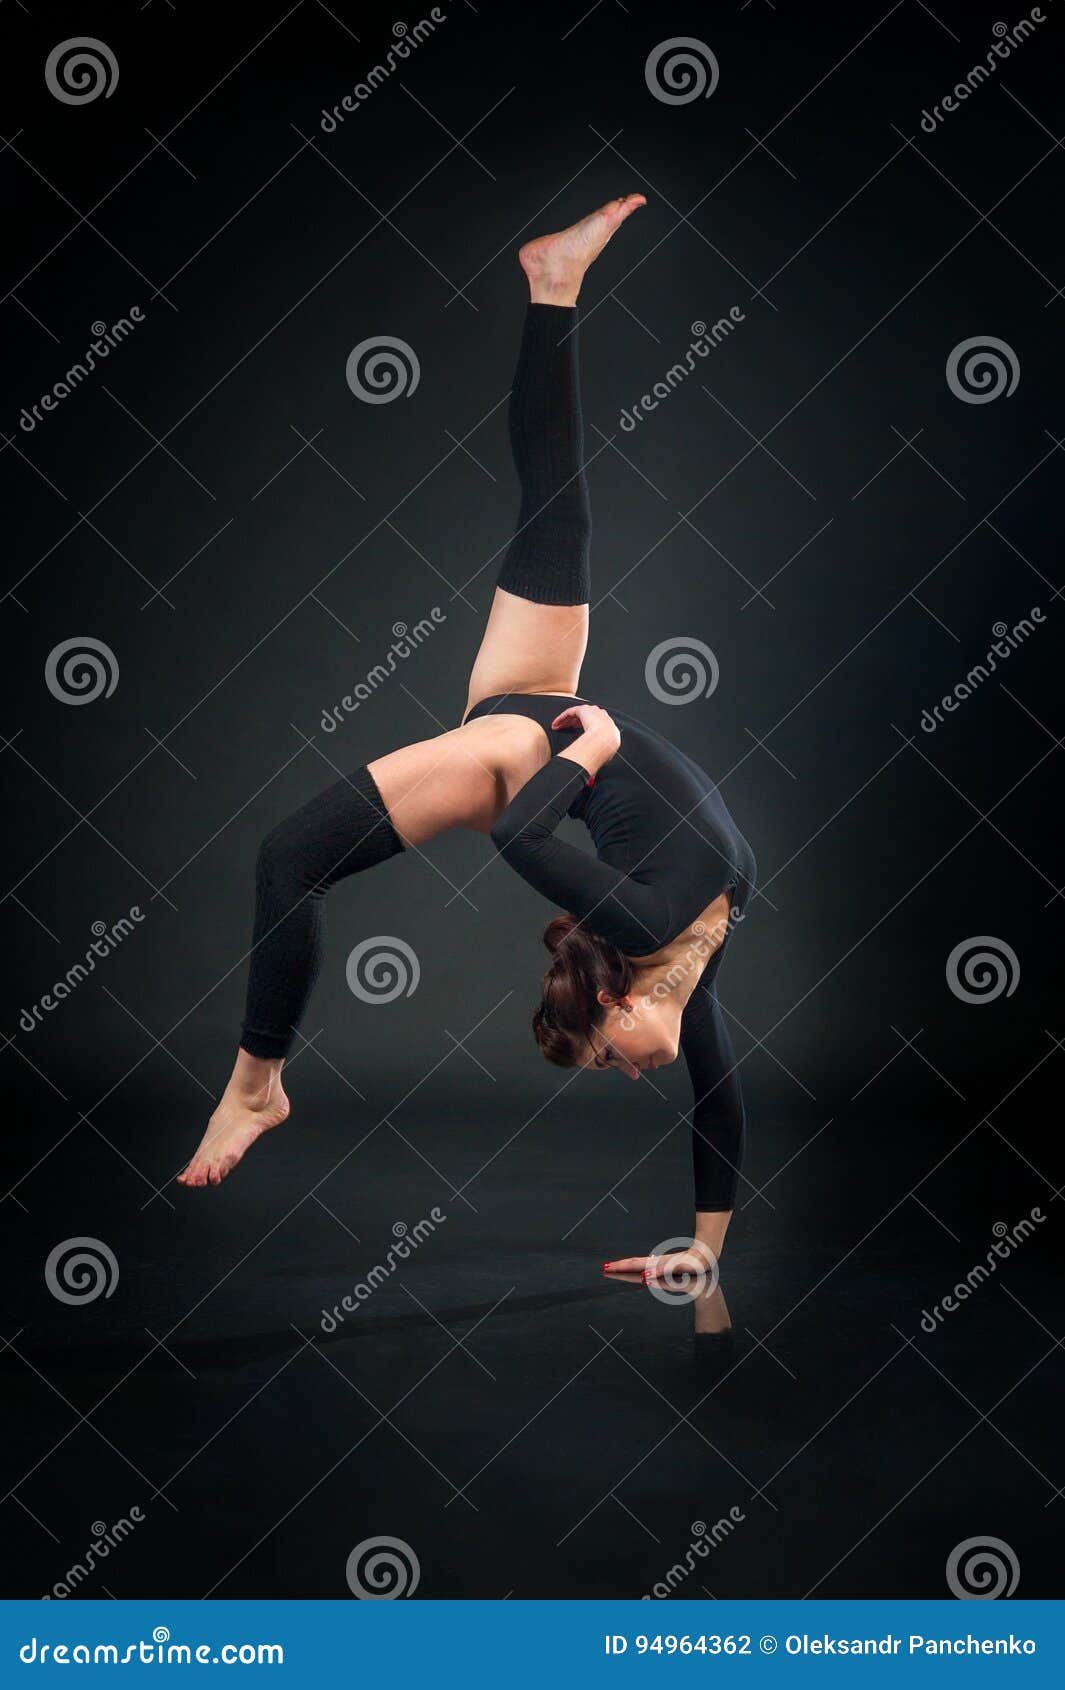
<point x="584" y="964"/>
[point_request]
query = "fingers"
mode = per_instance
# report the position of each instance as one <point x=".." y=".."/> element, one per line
<point x="627" y="1264"/>
<point x="677" y="1266"/>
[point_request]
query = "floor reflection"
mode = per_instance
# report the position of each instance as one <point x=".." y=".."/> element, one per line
<point x="712" y="1323"/>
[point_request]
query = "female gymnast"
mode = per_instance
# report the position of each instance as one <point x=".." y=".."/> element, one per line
<point x="635" y="956"/>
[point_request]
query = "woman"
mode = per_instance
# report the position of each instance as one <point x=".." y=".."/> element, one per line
<point x="636" y="954"/>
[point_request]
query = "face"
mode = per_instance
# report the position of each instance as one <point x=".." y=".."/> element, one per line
<point x="634" y="1036"/>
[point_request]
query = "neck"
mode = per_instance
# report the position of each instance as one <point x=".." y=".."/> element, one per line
<point x="673" y="975"/>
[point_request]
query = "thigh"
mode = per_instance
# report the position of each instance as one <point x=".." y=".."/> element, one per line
<point x="436" y="784"/>
<point x="529" y="648"/>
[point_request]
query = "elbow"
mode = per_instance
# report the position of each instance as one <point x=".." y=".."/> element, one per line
<point x="503" y="834"/>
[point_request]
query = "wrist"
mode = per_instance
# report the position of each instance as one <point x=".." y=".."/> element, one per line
<point x="711" y="1226"/>
<point x="591" y="750"/>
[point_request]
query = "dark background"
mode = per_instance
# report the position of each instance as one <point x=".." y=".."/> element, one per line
<point x="245" y="580"/>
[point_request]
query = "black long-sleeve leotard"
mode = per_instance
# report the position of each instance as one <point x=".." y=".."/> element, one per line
<point x="665" y="847"/>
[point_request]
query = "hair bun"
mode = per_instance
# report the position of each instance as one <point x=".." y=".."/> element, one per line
<point x="558" y="930"/>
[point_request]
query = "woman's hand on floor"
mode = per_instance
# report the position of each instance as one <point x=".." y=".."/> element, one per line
<point x="675" y="1267"/>
<point x="599" y="735"/>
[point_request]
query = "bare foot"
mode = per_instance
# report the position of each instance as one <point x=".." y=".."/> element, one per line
<point x="243" y="1115"/>
<point x="555" y="264"/>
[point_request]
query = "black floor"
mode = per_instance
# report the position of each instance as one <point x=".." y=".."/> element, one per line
<point x="522" y="1426"/>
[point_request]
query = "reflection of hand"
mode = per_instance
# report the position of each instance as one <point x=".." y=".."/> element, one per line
<point x="711" y="1313"/>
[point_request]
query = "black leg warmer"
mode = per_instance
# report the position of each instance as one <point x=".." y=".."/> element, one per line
<point x="342" y="831"/>
<point x="547" y="560"/>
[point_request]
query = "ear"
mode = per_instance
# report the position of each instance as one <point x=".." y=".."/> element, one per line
<point x="606" y="999"/>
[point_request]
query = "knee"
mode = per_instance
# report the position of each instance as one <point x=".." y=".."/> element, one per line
<point x="278" y="864"/>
